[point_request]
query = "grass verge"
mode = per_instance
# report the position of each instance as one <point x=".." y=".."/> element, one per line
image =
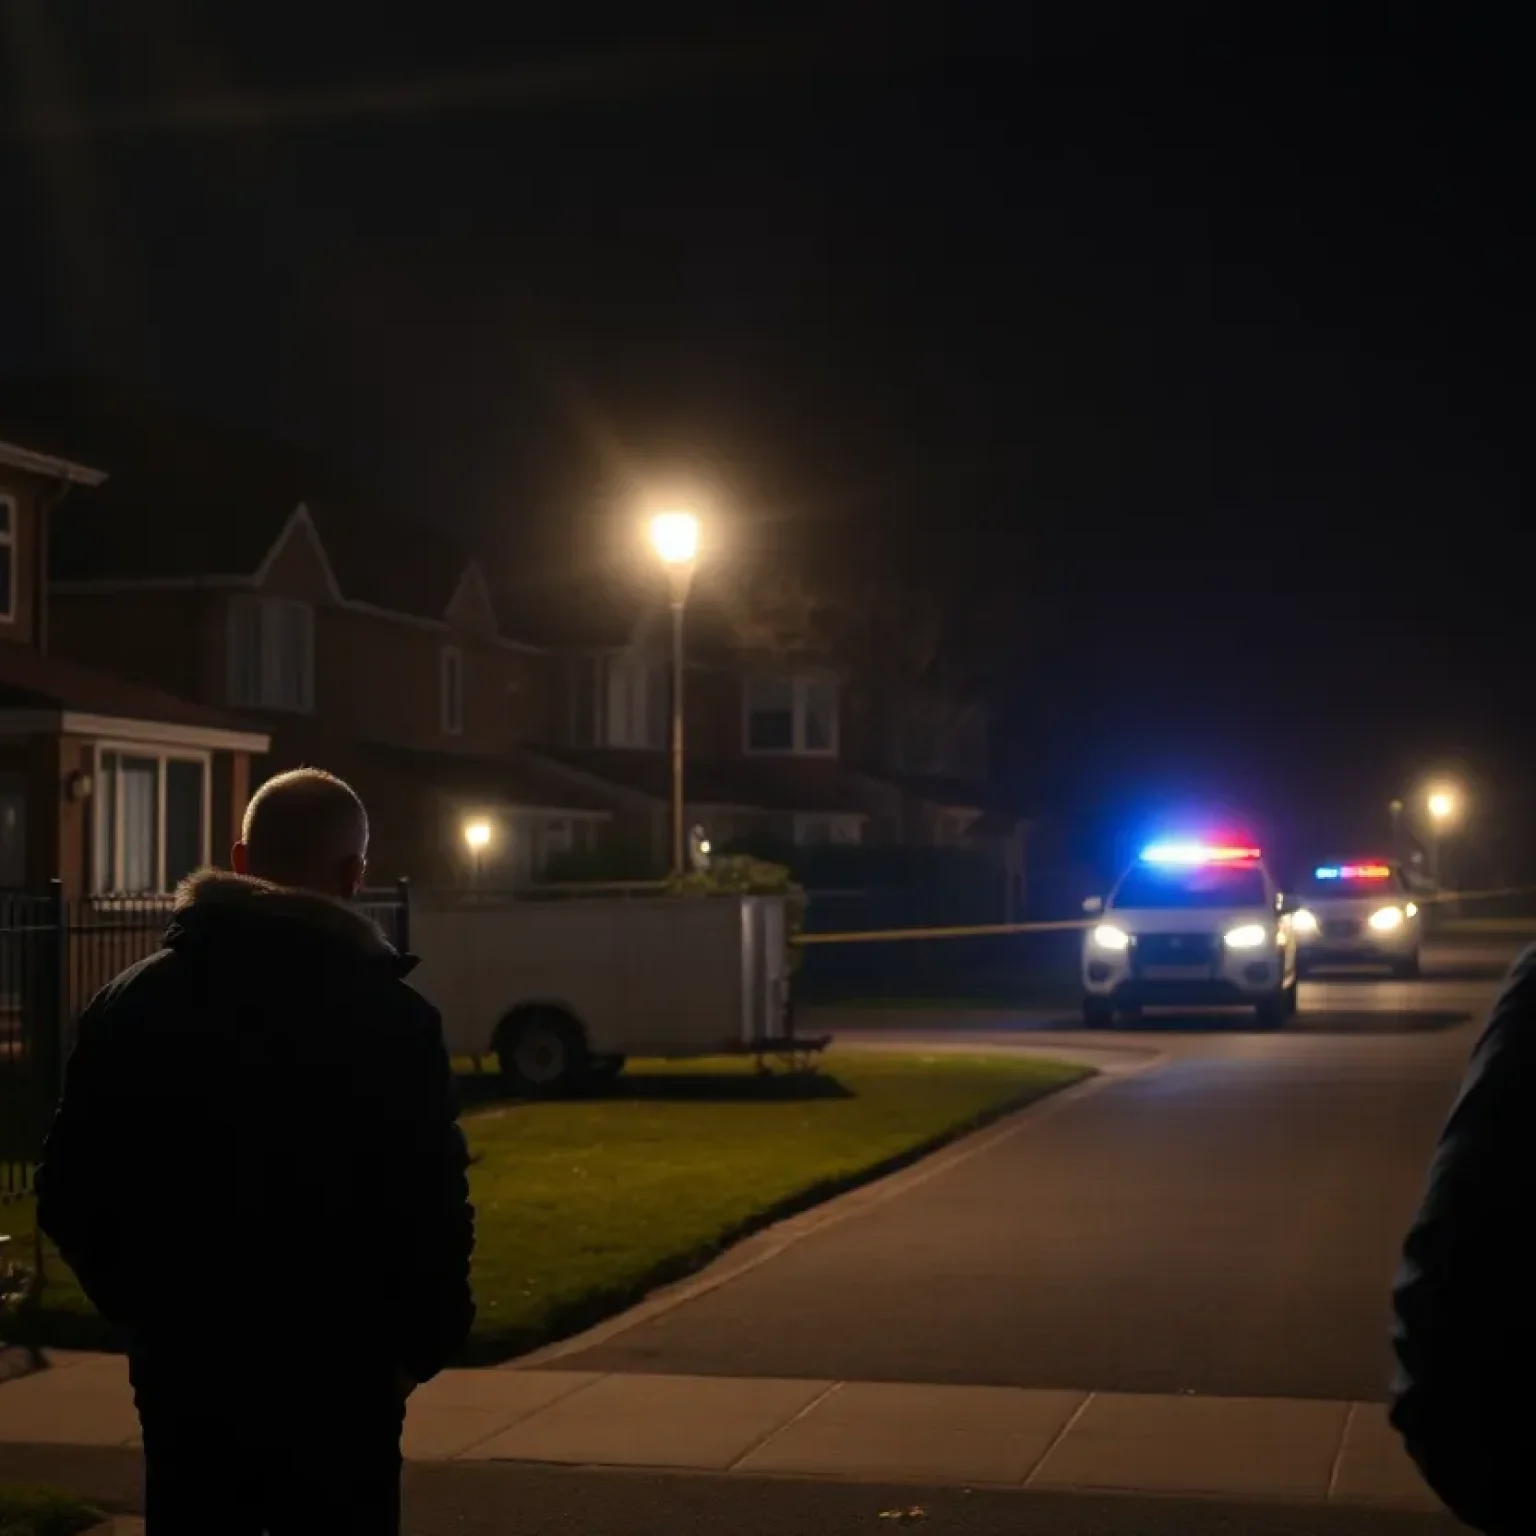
<point x="584" y="1206"/>
<point x="25" y="1513"/>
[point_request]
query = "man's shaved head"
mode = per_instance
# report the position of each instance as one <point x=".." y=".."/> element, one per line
<point x="305" y="828"/>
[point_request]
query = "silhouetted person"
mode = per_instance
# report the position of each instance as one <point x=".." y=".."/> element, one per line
<point x="256" y="1173"/>
<point x="1465" y="1333"/>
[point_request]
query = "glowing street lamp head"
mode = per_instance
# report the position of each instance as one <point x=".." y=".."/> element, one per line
<point x="1441" y="804"/>
<point x="477" y="836"/>
<point x="675" y="537"/>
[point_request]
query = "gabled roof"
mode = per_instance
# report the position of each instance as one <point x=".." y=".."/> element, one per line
<point x="189" y="500"/>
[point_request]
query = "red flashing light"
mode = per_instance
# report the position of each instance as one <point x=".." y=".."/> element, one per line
<point x="1366" y="872"/>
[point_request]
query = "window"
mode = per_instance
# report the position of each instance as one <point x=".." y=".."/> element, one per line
<point x="821" y="831"/>
<point x="559" y="840"/>
<point x="151" y="825"/>
<point x="451" y="698"/>
<point x="634" y="704"/>
<point x="8" y="520"/>
<point x="796" y="715"/>
<point x="271" y="654"/>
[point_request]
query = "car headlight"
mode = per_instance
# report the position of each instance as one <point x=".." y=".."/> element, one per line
<point x="1107" y="936"/>
<point x="1384" y="919"/>
<point x="1411" y="909"/>
<point x="1304" y="922"/>
<point x="1247" y="936"/>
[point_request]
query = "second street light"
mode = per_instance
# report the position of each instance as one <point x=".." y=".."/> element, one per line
<point x="675" y="538"/>
<point x="1444" y="807"/>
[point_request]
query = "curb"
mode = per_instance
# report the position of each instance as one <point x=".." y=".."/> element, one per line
<point x="16" y="1361"/>
<point x="769" y="1242"/>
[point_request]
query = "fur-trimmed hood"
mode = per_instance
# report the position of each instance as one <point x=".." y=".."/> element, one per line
<point x="205" y="899"/>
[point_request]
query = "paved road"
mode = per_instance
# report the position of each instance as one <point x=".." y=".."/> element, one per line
<point x="490" y="1500"/>
<point x="1224" y="1223"/>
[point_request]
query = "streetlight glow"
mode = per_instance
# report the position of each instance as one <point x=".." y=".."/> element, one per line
<point x="477" y="835"/>
<point x="1441" y="804"/>
<point x="675" y="537"/>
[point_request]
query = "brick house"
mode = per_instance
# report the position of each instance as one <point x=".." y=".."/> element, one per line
<point x="230" y="574"/>
<point x="107" y="785"/>
<point x="776" y="753"/>
<point x="373" y="651"/>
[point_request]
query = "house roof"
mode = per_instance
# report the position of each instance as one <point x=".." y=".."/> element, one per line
<point x="955" y="794"/>
<point x="765" y="784"/>
<point x="188" y="498"/>
<point x="29" y="681"/>
<point x="515" y="778"/>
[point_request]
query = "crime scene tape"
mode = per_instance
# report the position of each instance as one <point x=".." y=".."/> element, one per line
<point x="1079" y="924"/>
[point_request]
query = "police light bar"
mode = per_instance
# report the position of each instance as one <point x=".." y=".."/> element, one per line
<point x="1198" y="853"/>
<point x="1354" y="872"/>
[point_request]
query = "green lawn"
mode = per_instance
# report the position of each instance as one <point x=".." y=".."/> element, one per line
<point x="25" y="1513"/>
<point x="584" y="1205"/>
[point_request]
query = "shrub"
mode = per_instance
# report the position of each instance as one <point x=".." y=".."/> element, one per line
<point x="742" y="875"/>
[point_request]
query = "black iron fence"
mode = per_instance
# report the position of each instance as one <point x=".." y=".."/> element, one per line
<point x="55" y="955"/>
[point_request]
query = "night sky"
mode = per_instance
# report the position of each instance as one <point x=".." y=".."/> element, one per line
<point x="1209" y="339"/>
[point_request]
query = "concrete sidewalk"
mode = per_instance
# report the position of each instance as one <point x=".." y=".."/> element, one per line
<point x="1240" y="1448"/>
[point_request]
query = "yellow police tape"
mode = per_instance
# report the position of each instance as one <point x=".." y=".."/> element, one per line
<point x="1078" y="924"/>
<point x="981" y="930"/>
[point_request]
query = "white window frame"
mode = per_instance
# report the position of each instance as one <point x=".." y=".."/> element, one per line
<point x="8" y="540"/>
<point x="801" y="688"/>
<point x="847" y="821"/>
<point x="161" y="756"/>
<point x="450" y="690"/>
<point x="268" y="693"/>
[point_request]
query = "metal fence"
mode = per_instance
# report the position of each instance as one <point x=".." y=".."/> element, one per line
<point x="55" y="956"/>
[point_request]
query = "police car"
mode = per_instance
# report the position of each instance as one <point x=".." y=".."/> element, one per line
<point x="1358" y="914"/>
<point x="1191" y="924"/>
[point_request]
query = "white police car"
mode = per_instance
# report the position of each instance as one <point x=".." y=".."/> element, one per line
<point x="1358" y="914"/>
<point x="1194" y="924"/>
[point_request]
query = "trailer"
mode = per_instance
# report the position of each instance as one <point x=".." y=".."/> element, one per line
<point x="563" y="993"/>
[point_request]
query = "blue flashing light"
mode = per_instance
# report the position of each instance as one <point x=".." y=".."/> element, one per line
<point x="1193" y="854"/>
<point x="1327" y="872"/>
<point x="1174" y="853"/>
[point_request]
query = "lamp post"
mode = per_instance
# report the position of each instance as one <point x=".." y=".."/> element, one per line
<point x="675" y="538"/>
<point x="477" y="838"/>
<point x="1444" y="806"/>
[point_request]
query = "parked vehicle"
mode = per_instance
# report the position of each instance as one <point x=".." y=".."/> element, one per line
<point x="1359" y="914"/>
<point x="562" y="993"/>
<point x="1191" y="924"/>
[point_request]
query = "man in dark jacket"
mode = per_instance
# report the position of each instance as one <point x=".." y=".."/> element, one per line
<point x="256" y="1173"/>
<point x="1465" y="1333"/>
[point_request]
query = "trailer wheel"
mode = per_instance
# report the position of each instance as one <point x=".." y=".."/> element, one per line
<point x="541" y="1052"/>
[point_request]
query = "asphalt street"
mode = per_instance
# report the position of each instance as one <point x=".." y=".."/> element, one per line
<point x="490" y="1500"/>
<point x="1225" y="1222"/>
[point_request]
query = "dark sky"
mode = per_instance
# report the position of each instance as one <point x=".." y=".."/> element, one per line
<point x="1209" y="334"/>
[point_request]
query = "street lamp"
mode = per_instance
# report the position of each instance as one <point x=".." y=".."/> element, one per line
<point x="675" y="538"/>
<point x="477" y="838"/>
<point x="1444" y="807"/>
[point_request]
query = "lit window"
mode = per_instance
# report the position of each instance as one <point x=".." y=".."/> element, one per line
<point x="451" y="698"/>
<point x="271" y="654"/>
<point x="151" y="822"/>
<point x="794" y="715"/>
